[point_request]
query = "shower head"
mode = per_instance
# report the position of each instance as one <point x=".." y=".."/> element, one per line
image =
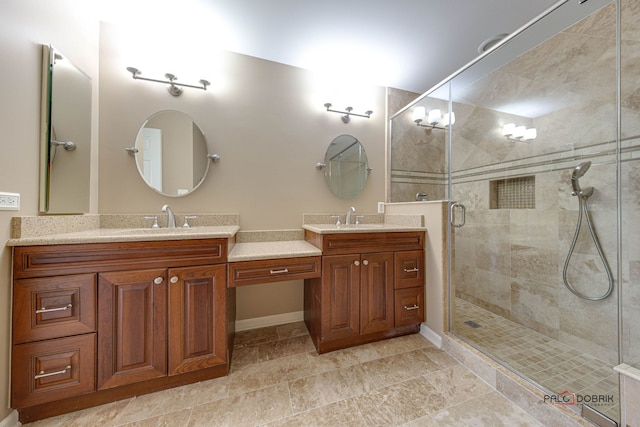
<point x="578" y="172"/>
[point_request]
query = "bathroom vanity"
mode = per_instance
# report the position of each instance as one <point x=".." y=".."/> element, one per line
<point x="108" y="314"/>
<point x="98" y="322"/>
<point x="371" y="287"/>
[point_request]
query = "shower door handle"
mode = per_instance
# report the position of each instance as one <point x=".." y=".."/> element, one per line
<point x="453" y="215"/>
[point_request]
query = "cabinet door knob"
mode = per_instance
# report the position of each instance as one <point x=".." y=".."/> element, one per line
<point x="158" y="280"/>
<point x="356" y="263"/>
<point x="365" y="262"/>
<point x="174" y="279"/>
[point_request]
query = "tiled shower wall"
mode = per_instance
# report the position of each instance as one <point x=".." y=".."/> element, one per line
<point x="511" y="260"/>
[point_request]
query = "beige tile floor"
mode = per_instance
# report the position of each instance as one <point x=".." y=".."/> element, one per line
<point x="545" y="361"/>
<point x="278" y="379"/>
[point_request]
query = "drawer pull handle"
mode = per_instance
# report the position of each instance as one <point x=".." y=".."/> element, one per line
<point x="50" y="374"/>
<point x="413" y="307"/>
<point x="49" y="310"/>
<point x="413" y="270"/>
<point x="284" y="270"/>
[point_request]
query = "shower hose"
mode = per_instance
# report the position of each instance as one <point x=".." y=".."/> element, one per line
<point x="583" y="209"/>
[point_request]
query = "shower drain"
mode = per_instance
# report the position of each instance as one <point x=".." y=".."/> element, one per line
<point x="472" y="324"/>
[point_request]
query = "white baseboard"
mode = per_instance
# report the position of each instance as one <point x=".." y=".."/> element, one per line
<point x="432" y="336"/>
<point x="11" y="420"/>
<point x="261" y="322"/>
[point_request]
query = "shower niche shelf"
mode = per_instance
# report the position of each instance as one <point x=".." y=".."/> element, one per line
<point x="513" y="193"/>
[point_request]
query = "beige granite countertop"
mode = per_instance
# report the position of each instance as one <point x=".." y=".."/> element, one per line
<point x="272" y="250"/>
<point x="360" y="228"/>
<point x="325" y="224"/>
<point x="104" y="235"/>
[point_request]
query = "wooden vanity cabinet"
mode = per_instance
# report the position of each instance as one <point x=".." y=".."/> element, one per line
<point x="367" y="281"/>
<point x="95" y="323"/>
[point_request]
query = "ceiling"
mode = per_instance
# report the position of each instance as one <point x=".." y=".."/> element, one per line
<point x="405" y="44"/>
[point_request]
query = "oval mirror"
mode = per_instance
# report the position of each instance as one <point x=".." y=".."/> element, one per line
<point x="171" y="153"/>
<point x="345" y="167"/>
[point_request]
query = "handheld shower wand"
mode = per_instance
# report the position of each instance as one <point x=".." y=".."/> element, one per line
<point x="583" y="210"/>
<point x="578" y="173"/>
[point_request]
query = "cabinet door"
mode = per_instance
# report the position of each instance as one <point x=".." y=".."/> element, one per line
<point x="376" y="292"/>
<point x="197" y="318"/>
<point x="340" y="299"/>
<point x="132" y="326"/>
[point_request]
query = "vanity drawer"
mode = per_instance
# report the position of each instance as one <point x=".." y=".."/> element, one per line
<point x="409" y="306"/>
<point x="55" y="260"/>
<point x="51" y="370"/>
<point x="273" y="270"/>
<point x="350" y="243"/>
<point x="409" y="269"/>
<point x="54" y="307"/>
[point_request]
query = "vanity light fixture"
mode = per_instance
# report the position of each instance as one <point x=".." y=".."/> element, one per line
<point x="174" y="88"/>
<point x="346" y="118"/>
<point x="434" y="118"/>
<point x="518" y="133"/>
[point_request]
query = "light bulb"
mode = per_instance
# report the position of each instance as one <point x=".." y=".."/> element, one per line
<point x="434" y="116"/>
<point x="518" y="132"/>
<point x="530" y="134"/>
<point x="507" y="130"/>
<point x="449" y="119"/>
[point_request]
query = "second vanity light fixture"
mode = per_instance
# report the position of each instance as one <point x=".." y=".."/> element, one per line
<point x="518" y="133"/>
<point x="174" y="88"/>
<point x="434" y="118"/>
<point x="346" y="118"/>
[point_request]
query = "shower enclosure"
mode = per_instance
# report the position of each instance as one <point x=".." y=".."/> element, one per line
<point x="542" y="163"/>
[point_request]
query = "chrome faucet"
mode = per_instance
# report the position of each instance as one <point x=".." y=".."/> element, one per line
<point x="171" y="218"/>
<point x="347" y="220"/>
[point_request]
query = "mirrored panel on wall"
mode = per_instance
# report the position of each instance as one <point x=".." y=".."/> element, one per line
<point x="65" y="136"/>
<point x="171" y="153"/>
<point x="533" y="162"/>
<point x="418" y="155"/>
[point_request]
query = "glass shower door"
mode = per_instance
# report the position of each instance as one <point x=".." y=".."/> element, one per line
<point x="533" y="160"/>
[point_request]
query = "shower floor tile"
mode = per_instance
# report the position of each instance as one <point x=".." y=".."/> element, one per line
<point x="544" y="361"/>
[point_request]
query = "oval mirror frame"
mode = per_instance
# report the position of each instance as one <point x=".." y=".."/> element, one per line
<point x="171" y="153"/>
<point x="346" y="167"/>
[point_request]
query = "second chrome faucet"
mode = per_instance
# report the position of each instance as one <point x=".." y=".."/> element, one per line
<point x="347" y="220"/>
<point x="171" y="218"/>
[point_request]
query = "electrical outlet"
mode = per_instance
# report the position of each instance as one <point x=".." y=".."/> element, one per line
<point x="9" y="201"/>
<point x="380" y="207"/>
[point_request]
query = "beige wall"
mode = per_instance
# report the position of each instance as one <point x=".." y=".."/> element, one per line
<point x="24" y="26"/>
<point x="270" y="129"/>
<point x="268" y="133"/>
